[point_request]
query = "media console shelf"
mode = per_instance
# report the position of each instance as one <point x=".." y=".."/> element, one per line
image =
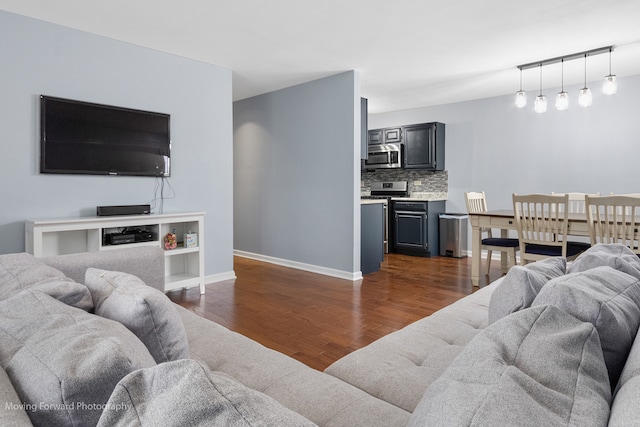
<point x="184" y="266"/>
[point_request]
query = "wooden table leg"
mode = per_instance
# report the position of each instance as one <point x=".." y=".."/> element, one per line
<point x="476" y="252"/>
<point x="504" y="255"/>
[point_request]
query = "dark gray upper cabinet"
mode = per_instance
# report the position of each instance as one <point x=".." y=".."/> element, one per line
<point x="364" y="125"/>
<point x="424" y="146"/>
<point x="375" y="136"/>
<point x="385" y="136"/>
<point x="392" y="135"/>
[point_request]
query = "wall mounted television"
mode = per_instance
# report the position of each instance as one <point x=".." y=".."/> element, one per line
<point x="79" y="137"/>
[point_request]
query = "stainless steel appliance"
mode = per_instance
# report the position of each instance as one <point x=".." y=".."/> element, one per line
<point x="386" y="190"/>
<point x="384" y="156"/>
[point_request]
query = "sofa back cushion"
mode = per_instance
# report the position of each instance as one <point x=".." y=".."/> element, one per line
<point x="607" y="298"/>
<point x="625" y="409"/>
<point x="63" y="360"/>
<point x="187" y="393"/>
<point x="615" y="255"/>
<point x="144" y="310"/>
<point x="24" y="271"/>
<point x="539" y="366"/>
<point x="521" y="285"/>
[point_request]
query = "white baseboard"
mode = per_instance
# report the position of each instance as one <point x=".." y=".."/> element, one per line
<point x="301" y="266"/>
<point x="220" y="277"/>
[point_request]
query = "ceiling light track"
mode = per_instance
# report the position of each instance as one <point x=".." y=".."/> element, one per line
<point x="579" y="55"/>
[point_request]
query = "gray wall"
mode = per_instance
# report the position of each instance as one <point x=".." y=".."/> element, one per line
<point x="297" y="175"/>
<point x="42" y="58"/>
<point x="494" y="147"/>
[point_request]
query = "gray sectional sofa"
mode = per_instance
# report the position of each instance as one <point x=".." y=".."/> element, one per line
<point x="90" y="343"/>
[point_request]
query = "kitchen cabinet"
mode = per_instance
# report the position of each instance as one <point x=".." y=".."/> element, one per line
<point x="385" y="136"/>
<point x="392" y="135"/>
<point x="371" y="236"/>
<point x="424" y="146"/>
<point x="375" y="136"/>
<point x="364" y="125"/>
<point x="415" y="226"/>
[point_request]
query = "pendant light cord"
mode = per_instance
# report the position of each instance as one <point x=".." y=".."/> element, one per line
<point x="541" y="79"/>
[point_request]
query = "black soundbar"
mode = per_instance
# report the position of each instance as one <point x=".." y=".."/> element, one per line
<point x="123" y="210"/>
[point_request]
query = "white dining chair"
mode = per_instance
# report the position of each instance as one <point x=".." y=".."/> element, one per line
<point x="614" y="219"/>
<point x="542" y="222"/>
<point x="576" y="201"/>
<point x="477" y="203"/>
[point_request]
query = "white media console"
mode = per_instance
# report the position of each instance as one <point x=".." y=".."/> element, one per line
<point x="184" y="266"/>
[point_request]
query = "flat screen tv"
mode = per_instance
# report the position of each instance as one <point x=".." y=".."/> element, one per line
<point x="84" y="138"/>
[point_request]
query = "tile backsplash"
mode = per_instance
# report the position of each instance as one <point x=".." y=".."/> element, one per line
<point x="419" y="180"/>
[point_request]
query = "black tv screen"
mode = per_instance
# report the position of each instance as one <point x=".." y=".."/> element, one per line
<point x="84" y="138"/>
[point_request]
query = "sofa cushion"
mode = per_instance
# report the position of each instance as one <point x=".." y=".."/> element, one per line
<point x="186" y="392"/>
<point x="625" y="409"/>
<point x="145" y="262"/>
<point x="23" y="271"/>
<point x="64" y="360"/>
<point x="399" y="367"/>
<point x="539" y="366"/>
<point x="13" y="411"/>
<point x="607" y="298"/>
<point x="522" y="284"/>
<point x="616" y="256"/>
<point x="144" y="310"/>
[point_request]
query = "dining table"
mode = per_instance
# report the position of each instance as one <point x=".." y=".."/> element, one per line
<point x="504" y="220"/>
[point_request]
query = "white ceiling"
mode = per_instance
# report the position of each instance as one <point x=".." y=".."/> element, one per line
<point x="409" y="53"/>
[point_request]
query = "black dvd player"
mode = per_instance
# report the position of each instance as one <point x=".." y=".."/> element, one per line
<point x="128" y="235"/>
<point x="119" y="238"/>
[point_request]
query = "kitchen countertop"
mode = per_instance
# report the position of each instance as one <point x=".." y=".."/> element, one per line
<point x="372" y="201"/>
<point x="413" y="196"/>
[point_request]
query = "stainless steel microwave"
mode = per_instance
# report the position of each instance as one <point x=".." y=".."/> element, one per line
<point x="384" y="156"/>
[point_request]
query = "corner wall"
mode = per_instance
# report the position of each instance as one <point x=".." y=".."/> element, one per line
<point x="44" y="58"/>
<point x="296" y="176"/>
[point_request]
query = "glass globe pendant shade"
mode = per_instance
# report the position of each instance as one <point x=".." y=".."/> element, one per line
<point x="540" y="105"/>
<point x="562" y="101"/>
<point x="585" y="98"/>
<point x="610" y="85"/>
<point x="521" y="99"/>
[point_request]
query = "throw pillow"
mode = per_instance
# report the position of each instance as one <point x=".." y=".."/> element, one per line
<point x="521" y="285"/>
<point x="187" y="393"/>
<point x="607" y="298"/>
<point x="617" y="256"/>
<point x="62" y="360"/>
<point x="24" y="271"/>
<point x="539" y="366"/>
<point x="144" y="310"/>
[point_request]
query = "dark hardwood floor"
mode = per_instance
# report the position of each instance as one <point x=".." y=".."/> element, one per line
<point x="318" y="319"/>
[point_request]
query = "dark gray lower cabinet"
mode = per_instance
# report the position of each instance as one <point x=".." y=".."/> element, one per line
<point x="415" y="227"/>
<point x="371" y="237"/>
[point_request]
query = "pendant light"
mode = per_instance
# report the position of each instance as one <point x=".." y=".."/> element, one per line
<point x="521" y="96"/>
<point x="585" y="98"/>
<point x="610" y="85"/>
<point x="540" y="105"/>
<point x="562" y="98"/>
